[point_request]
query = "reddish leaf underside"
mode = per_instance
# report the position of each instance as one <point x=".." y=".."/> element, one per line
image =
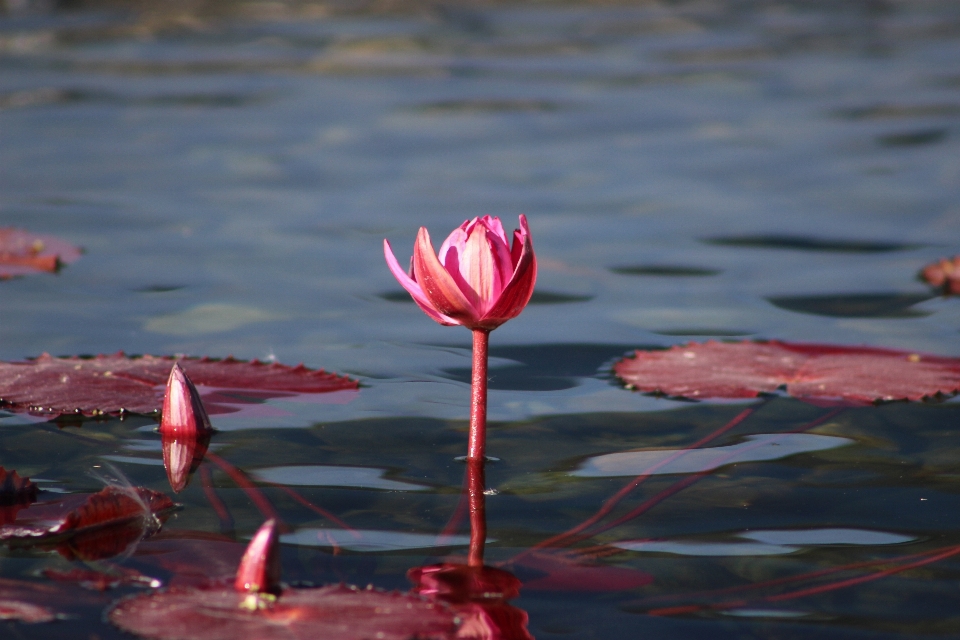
<point x="22" y="253"/>
<point x="90" y="527"/>
<point x="854" y="375"/>
<point x="111" y="384"/>
<point x="335" y="612"/>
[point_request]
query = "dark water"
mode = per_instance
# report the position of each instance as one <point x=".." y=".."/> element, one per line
<point x="690" y="171"/>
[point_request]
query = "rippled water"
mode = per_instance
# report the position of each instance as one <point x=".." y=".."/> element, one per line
<point x="690" y="171"/>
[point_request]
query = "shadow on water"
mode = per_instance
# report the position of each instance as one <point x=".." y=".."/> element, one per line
<point x="546" y="367"/>
<point x="856" y="305"/>
<point x="665" y="270"/>
<point x="805" y="243"/>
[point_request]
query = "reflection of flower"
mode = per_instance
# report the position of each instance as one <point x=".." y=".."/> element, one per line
<point x="943" y="274"/>
<point x="477" y="280"/>
<point x="478" y="595"/>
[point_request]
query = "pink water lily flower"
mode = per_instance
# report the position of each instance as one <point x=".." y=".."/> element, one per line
<point x="478" y="280"/>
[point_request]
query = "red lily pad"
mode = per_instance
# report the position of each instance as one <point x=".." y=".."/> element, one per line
<point x="341" y="612"/>
<point x="114" y="384"/>
<point x="90" y="527"/>
<point x="23" y="253"/>
<point x="853" y="375"/>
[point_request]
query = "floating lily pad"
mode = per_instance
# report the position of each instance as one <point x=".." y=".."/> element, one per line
<point x="857" y="375"/>
<point x="117" y="383"/>
<point x="23" y="253"/>
<point x="341" y="612"/>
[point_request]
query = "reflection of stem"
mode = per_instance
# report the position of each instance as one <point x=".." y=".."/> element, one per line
<point x="249" y="488"/>
<point x="636" y="482"/>
<point x="925" y="558"/>
<point x="476" y="446"/>
<point x="574" y="534"/>
<point x="226" y="520"/>
<point x="478" y="513"/>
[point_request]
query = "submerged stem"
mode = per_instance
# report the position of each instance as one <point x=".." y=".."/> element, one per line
<point x="476" y="446"/>
<point x="478" y="513"/>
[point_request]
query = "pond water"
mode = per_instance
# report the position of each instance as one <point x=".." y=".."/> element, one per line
<point x="690" y="171"/>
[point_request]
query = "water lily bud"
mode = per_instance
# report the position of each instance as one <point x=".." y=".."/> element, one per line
<point x="184" y="429"/>
<point x="478" y="279"/>
<point x="259" y="570"/>
<point x="183" y="412"/>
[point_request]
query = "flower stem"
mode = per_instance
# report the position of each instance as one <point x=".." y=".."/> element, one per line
<point x="478" y="511"/>
<point x="476" y="445"/>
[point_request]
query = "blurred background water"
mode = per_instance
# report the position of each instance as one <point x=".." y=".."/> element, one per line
<point x="690" y="170"/>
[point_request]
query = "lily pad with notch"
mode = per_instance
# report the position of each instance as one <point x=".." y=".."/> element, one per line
<point x="115" y="384"/>
<point x="848" y="375"/>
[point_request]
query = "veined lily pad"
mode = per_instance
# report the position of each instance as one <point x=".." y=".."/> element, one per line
<point x="336" y="612"/>
<point x="852" y="375"/>
<point x="112" y="384"/>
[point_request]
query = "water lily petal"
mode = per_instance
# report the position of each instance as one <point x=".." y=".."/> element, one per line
<point x="479" y="268"/>
<point x="516" y="294"/>
<point x="414" y="289"/>
<point x="438" y="285"/>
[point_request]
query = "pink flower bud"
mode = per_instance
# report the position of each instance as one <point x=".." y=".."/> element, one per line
<point x="478" y="280"/>
<point x="183" y="412"/>
<point x="259" y="570"/>
<point x="184" y="429"/>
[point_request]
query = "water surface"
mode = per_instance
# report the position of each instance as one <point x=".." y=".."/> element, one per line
<point x="689" y="172"/>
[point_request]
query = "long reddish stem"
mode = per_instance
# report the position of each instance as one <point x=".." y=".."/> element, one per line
<point x="478" y="512"/>
<point x="477" y="444"/>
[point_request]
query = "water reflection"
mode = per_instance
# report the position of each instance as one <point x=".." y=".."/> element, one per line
<point x="754" y="448"/>
<point x="182" y="455"/>
<point x="477" y="592"/>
